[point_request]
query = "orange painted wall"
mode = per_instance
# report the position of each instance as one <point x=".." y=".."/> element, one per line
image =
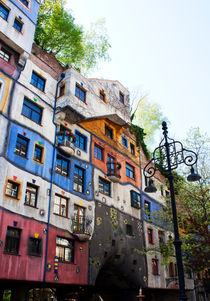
<point x="114" y="148"/>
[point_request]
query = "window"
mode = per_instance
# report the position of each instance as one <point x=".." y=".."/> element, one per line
<point x="150" y="236"/>
<point x="62" y="89"/>
<point x="79" y="219"/>
<point x="12" y="240"/>
<point x="81" y="141"/>
<point x="132" y="148"/>
<point x="65" y="249"/>
<point x="161" y="237"/>
<point x="18" y="24"/>
<point x="104" y="186"/>
<point x="110" y="165"/>
<point x="62" y="166"/>
<point x="108" y="131"/>
<point x="32" y="111"/>
<point x="147" y="210"/>
<point x="102" y="95"/>
<point x="25" y="2"/>
<point x="12" y="189"/>
<point x="38" y="153"/>
<point x="37" y="81"/>
<point x="4" y="54"/>
<point x="135" y="199"/>
<point x="31" y="195"/>
<point x="80" y="93"/>
<point x="4" y="11"/>
<point x="155" y="269"/>
<point x="124" y="141"/>
<point x="130" y="171"/>
<point x="21" y="147"/>
<point x="129" y="230"/>
<point x="121" y="97"/>
<point x="78" y="179"/>
<point x="34" y="246"/>
<point x="61" y="205"/>
<point x="98" y="152"/>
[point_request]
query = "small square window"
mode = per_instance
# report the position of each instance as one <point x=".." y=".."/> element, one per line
<point x="108" y="131"/>
<point x="124" y="141"/>
<point x="5" y="55"/>
<point x="81" y="141"/>
<point x="38" y="153"/>
<point x="102" y="95"/>
<point x="147" y="209"/>
<point x="61" y="205"/>
<point x="34" y="246"/>
<point x="62" y="166"/>
<point x="32" y="111"/>
<point x="132" y="148"/>
<point x="12" y="189"/>
<point x="130" y="171"/>
<point x="12" y="241"/>
<point x="21" y="147"/>
<point x="65" y="249"/>
<point x="62" y="89"/>
<point x="31" y="195"/>
<point x="150" y="236"/>
<point x="79" y="176"/>
<point x="104" y="186"/>
<point x="121" y="97"/>
<point x="4" y="11"/>
<point x="98" y="152"/>
<point x="80" y="93"/>
<point x="25" y="2"/>
<point x="155" y="268"/>
<point x="38" y="81"/>
<point x="129" y="230"/>
<point x="135" y="199"/>
<point x="18" y="25"/>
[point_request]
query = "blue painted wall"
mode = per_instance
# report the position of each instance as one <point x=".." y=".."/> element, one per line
<point x="154" y="208"/>
<point x="45" y="169"/>
<point x="31" y="11"/>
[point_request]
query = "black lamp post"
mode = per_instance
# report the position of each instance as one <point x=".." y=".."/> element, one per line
<point x="169" y="155"/>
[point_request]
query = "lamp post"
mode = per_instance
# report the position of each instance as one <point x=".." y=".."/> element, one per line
<point x="169" y="155"/>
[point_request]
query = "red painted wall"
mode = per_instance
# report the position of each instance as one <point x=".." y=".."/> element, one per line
<point x="122" y="159"/>
<point x="31" y="268"/>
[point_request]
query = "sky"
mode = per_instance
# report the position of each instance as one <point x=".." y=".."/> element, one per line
<point x="160" y="48"/>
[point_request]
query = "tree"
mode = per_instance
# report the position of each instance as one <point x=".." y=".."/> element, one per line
<point x="149" y="117"/>
<point x="57" y="31"/>
<point x="193" y="206"/>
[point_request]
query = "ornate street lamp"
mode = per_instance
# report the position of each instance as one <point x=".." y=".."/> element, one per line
<point x="168" y="156"/>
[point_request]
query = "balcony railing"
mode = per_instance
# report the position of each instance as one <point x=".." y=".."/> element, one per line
<point x="65" y="142"/>
<point x="113" y="171"/>
<point x="81" y="227"/>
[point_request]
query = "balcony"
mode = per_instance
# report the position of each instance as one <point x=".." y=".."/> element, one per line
<point x="65" y="142"/>
<point x="81" y="227"/>
<point x="113" y="171"/>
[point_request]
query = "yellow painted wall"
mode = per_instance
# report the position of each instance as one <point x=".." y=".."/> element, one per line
<point x="4" y="92"/>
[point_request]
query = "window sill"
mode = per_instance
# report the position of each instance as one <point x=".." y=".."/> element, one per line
<point x="12" y="197"/>
<point x="8" y="253"/>
<point x="21" y="156"/>
<point x="31" y="206"/>
<point x="38" y="88"/>
<point x="31" y="119"/>
<point x="38" y="162"/>
<point x="35" y="255"/>
<point x="4" y="19"/>
<point x="18" y="31"/>
<point x="84" y="101"/>
<point x="62" y="175"/>
<point x="60" y="215"/>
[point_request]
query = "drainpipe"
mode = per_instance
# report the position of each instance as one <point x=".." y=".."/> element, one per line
<point x="51" y="178"/>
